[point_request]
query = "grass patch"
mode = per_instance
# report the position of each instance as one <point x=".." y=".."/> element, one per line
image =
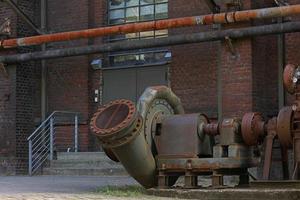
<point x="122" y="191"/>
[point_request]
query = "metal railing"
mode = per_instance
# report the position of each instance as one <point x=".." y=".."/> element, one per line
<point x="42" y="140"/>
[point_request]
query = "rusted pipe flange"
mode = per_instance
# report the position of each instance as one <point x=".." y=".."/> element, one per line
<point x="252" y="128"/>
<point x="113" y="120"/>
<point x="126" y="138"/>
<point x="284" y="126"/>
<point x="289" y="78"/>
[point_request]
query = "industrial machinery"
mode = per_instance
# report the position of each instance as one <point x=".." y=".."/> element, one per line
<point x="157" y="143"/>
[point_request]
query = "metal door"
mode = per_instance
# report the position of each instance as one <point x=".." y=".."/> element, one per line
<point x="131" y="82"/>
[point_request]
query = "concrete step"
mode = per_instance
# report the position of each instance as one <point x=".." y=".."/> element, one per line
<point x="81" y="156"/>
<point x="84" y="164"/>
<point x="85" y="172"/>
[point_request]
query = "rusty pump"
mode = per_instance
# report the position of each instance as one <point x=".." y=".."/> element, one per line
<point x="157" y="143"/>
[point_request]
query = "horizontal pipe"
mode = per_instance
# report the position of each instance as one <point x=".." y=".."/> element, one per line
<point x="219" y="18"/>
<point x="159" y="42"/>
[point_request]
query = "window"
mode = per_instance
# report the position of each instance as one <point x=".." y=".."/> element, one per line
<point x="131" y="11"/>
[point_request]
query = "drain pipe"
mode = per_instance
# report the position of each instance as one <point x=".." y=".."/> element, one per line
<point x="160" y="42"/>
<point x="43" y="63"/>
<point x="218" y="18"/>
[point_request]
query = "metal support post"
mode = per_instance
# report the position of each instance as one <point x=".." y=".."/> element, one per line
<point x="76" y="134"/>
<point x="51" y="137"/>
<point x="30" y="158"/>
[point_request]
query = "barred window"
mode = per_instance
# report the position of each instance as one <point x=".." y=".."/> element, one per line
<point x="130" y="11"/>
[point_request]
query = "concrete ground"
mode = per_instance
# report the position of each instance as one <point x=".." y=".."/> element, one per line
<point x="61" y="187"/>
<point x="89" y="188"/>
<point x="59" y="184"/>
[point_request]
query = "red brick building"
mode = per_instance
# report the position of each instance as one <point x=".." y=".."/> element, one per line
<point x="209" y="77"/>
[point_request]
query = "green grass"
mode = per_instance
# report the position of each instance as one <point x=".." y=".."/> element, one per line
<point x="124" y="191"/>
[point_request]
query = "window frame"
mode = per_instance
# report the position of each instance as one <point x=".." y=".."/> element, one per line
<point x="135" y="6"/>
<point x="138" y="63"/>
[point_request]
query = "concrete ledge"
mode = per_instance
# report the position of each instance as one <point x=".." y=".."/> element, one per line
<point x="229" y="194"/>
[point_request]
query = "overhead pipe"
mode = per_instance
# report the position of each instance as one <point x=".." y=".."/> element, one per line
<point x="219" y="18"/>
<point x="159" y="42"/>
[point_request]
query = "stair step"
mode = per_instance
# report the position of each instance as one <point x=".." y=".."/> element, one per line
<point x="81" y="156"/>
<point x="84" y="164"/>
<point x="85" y="172"/>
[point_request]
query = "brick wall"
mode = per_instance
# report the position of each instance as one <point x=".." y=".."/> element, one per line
<point x="27" y="88"/>
<point x="72" y="81"/>
<point x="194" y="67"/>
<point x="19" y="107"/>
<point x="7" y="105"/>
<point x="249" y="78"/>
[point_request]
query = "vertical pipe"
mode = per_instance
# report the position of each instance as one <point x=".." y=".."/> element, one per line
<point x="219" y="80"/>
<point x="76" y="134"/>
<point x="30" y="158"/>
<point x="281" y="64"/>
<point x="43" y="63"/>
<point x="51" y="137"/>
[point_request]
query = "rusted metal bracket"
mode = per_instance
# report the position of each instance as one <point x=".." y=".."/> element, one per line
<point x="234" y="5"/>
<point x="281" y="2"/>
<point x="213" y="6"/>
<point x="3" y="70"/>
<point x="230" y="45"/>
<point x="5" y="28"/>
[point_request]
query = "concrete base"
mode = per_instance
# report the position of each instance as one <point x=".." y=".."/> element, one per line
<point x="229" y="194"/>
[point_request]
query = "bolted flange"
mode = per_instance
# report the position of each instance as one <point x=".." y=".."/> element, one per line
<point x="253" y="128"/>
<point x="284" y="126"/>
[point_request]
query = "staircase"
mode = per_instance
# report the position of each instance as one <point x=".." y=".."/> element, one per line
<point x="84" y="164"/>
<point x="44" y="142"/>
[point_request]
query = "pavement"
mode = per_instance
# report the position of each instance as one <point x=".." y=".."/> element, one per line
<point x="59" y="184"/>
<point x="63" y="188"/>
<point x="87" y="188"/>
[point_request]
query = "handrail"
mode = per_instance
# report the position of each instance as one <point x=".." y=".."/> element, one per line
<point x="42" y="140"/>
<point x="48" y="118"/>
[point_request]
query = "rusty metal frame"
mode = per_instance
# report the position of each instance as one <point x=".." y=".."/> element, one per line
<point x="5" y="28"/>
<point x="3" y="70"/>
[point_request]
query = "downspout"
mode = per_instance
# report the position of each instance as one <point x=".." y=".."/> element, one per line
<point x="281" y="64"/>
<point x="43" y="63"/>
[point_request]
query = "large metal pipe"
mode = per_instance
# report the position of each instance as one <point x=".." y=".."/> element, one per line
<point x="220" y="18"/>
<point x="119" y="127"/>
<point x="172" y="40"/>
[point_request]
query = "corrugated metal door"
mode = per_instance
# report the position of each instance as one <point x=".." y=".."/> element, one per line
<point x="131" y="82"/>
